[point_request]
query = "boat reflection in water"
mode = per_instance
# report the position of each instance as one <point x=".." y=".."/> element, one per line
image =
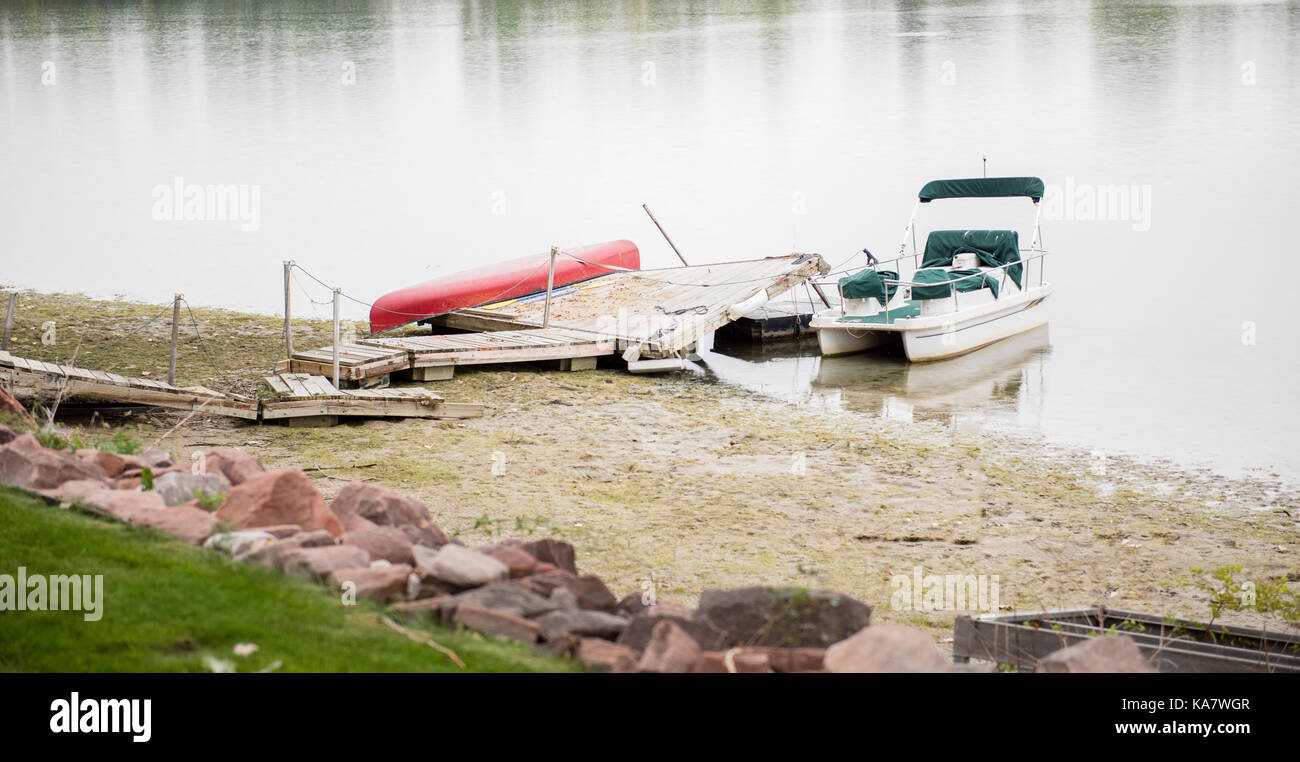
<point x="1000" y="385"/>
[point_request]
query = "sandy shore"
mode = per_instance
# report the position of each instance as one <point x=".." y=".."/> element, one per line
<point x="678" y="484"/>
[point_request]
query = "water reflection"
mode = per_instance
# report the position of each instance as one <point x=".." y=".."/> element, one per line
<point x="1000" y="386"/>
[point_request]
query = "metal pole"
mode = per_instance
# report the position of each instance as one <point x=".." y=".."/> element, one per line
<point x="288" y="312"/>
<point x="335" y="348"/>
<point x="665" y="235"/>
<point x="176" y="324"/>
<point x="9" y="321"/>
<point x="550" y="284"/>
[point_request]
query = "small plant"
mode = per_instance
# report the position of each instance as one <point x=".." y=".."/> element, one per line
<point x="1267" y="597"/>
<point x="122" y="443"/>
<point x="146" y="478"/>
<point x="210" y="503"/>
<point x="52" y="439"/>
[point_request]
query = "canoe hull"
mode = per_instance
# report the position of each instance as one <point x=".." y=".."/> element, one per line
<point x="503" y="280"/>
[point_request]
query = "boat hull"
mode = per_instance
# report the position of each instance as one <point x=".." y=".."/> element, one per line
<point x="504" y="280"/>
<point x="961" y="336"/>
<point x="834" y="342"/>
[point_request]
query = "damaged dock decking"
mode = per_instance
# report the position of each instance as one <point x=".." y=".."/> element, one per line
<point x="645" y="315"/>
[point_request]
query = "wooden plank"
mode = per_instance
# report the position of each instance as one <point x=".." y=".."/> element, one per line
<point x="277" y="385"/>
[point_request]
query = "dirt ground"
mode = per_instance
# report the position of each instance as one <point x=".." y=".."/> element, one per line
<point x="674" y="484"/>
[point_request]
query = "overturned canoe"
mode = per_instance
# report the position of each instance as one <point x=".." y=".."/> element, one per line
<point x="503" y="280"/>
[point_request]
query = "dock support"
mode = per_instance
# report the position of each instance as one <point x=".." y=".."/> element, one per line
<point x="288" y="312"/>
<point x="176" y="324"/>
<point x="433" y="373"/>
<point x="335" y="348"/>
<point x="9" y="320"/>
<point x="550" y="284"/>
<point x="576" y="363"/>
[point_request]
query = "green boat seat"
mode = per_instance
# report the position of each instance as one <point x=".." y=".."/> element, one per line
<point x="993" y="248"/>
<point x="939" y="283"/>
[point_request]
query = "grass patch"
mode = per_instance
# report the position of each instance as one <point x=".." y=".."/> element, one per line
<point x="167" y="605"/>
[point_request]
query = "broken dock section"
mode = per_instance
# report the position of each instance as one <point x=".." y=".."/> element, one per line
<point x="301" y="399"/>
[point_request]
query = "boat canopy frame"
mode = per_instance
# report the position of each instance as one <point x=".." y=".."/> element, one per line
<point x="977" y="187"/>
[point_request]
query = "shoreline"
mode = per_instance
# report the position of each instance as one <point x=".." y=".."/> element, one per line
<point x="678" y="484"/>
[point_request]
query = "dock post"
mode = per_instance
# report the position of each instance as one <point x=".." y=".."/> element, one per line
<point x="550" y="284"/>
<point x="337" y="291"/>
<point x="288" y="313"/>
<point x="9" y="321"/>
<point x="176" y="325"/>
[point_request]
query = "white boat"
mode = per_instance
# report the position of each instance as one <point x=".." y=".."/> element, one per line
<point x="968" y="288"/>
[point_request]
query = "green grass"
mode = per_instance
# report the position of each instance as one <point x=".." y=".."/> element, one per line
<point x="167" y="605"/>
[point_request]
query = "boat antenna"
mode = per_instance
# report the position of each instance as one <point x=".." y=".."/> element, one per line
<point x="871" y="259"/>
<point x="986" y="165"/>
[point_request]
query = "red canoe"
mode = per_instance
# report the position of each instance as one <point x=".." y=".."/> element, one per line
<point x="504" y="280"/>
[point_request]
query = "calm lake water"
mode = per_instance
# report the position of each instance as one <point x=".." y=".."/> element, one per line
<point x="391" y="142"/>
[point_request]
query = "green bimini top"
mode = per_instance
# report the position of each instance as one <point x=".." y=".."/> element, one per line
<point x="991" y="247"/>
<point x="983" y="187"/>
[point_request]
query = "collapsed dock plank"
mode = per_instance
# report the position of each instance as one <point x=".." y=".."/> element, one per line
<point x="498" y="347"/>
<point x="302" y="396"/>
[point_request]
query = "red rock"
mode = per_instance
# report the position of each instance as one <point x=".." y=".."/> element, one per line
<point x="519" y="563"/>
<point x="316" y="563"/>
<point x="112" y="463"/>
<point x="275" y="498"/>
<point x="670" y="649"/>
<point x="545" y="568"/>
<point x="423" y="607"/>
<point x="384" y="584"/>
<point x="887" y="648"/>
<point x="127" y="506"/>
<point x="282" y="531"/>
<point x="553" y="551"/>
<point x="1107" y="653"/>
<point x="130" y="482"/>
<point x="25" y="463"/>
<point x="603" y="656"/>
<point x="496" y="622"/>
<point x="378" y="505"/>
<point x="187" y="521"/>
<point x="796" y="659"/>
<point x="235" y="465"/>
<point x="387" y="543"/>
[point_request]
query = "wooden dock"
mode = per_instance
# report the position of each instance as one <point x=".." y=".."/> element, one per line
<point x="653" y="318"/>
<point x="298" y="399"/>
<point x="303" y="399"/>
<point x="49" y="381"/>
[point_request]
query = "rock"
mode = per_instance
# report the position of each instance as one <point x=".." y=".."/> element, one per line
<point x="383" y="542"/>
<point x="430" y="607"/>
<point x="604" y="656"/>
<point x="180" y="486"/>
<point x="423" y="585"/>
<point x="519" y="563"/>
<point x="589" y="591"/>
<point x="580" y="622"/>
<point x="637" y="634"/>
<point x="377" y="505"/>
<point x="235" y="543"/>
<point x="316" y="563"/>
<point x="25" y="463"/>
<point x="887" y="648"/>
<point x="552" y="551"/>
<point x="462" y="567"/>
<point x="670" y="649"/>
<point x="631" y="604"/>
<point x="157" y="459"/>
<point x="112" y="463"/>
<point x="188" y="521"/>
<point x="278" y="497"/>
<point x="496" y="622"/>
<point x="315" y="539"/>
<point x="385" y="584"/>
<point x="1107" y="653"/>
<point x="269" y="556"/>
<point x="7" y="435"/>
<point x="76" y="491"/>
<point x="737" y="660"/>
<point x="509" y="597"/>
<point x="281" y="531"/>
<point x="765" y="616"/>
<point x="125" y="505"/>
<point x="788" y="660"/>
<point x="237" y="466"/>
<point x="563" y="598"/>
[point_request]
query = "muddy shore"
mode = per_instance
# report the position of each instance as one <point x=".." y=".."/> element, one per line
<point x="674" y="484"/>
